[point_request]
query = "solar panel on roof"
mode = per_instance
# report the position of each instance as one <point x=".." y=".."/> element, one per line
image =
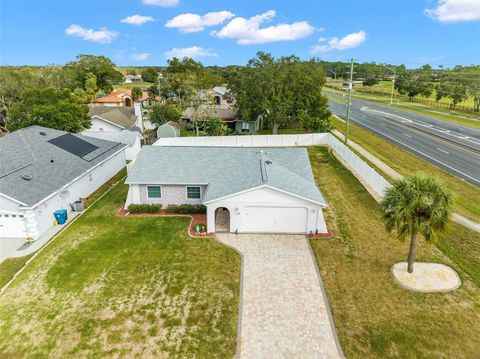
<point x="73" y="144"/>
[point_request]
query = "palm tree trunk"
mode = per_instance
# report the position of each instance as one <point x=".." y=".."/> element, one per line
<point x="412" y="252"/>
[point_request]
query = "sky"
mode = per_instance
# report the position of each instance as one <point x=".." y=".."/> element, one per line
<point x="214" y="32"/>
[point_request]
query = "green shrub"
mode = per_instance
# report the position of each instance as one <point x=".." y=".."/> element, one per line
<point x="187" y="209"/>
<point x="144" y="208"/>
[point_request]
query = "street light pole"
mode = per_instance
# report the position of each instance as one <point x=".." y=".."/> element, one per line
<point x="350" y="86"/>
<point x="393" y="84"/>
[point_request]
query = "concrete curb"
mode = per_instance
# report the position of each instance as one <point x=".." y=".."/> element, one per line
<point x="5" y="287"/>
<point x="396" y="280"/>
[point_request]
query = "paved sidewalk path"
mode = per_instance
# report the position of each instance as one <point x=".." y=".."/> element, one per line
<point x="283" y="308"/>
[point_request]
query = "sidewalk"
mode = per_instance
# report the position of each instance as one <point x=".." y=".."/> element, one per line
<point x="474" y="226"/>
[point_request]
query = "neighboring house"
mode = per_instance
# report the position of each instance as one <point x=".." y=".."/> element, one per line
<point x="43" y="170"/>
<point x="226" y="113"/>
<point x="220" y="96"/>
<point x="258" y="190"/>
<point x="116" y="119"/>
<point x="124" y="98"/>
<point x="168" y="129"/>
<point x="132" y="139"/>
<point x="128" y="79"/>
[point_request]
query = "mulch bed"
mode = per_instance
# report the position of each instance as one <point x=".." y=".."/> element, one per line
<point x="196" y="219"/>
<point x="327" y="235"/>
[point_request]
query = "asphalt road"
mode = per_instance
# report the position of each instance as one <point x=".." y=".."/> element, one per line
<point x="452" y="147"/>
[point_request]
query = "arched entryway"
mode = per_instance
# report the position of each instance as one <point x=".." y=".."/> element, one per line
<point x="128" y="101"/>
<point x="222" y="220"/>
<point x="218" y="100"/>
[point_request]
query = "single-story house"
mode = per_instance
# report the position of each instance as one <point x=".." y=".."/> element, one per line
<point x="245" y="190"/>
<point x="43" y="170"/>
<point x="226" y="113"/>
<point x="116" y="119"/>
<point x="168" y="129"/>
<point x="132" y="139"/>
<point x="128" y="79"/>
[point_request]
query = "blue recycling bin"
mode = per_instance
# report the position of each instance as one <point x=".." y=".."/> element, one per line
<point x="61" y="216"/>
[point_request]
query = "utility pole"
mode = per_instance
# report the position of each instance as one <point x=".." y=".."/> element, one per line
<point x="393" y="87"/>
<point x="350" y="86"/>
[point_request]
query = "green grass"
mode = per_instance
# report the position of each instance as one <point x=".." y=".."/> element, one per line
<point x="10" y="266"/>
<point x="142" y="85"/>
<point x="467" y="195"/>
<point x="116" y="287"/>
<point x="457" y="117"/>
<point x="374" y="317"/>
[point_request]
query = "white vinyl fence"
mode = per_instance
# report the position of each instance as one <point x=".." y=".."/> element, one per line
<point x="359" y="166"/>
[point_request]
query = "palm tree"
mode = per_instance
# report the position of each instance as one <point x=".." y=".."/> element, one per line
<point x="416" y="205"/>
<point x="137" y="94"/>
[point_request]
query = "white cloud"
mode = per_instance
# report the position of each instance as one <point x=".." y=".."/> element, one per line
<point x="455" y="10"/>
<point x="137" y="19"/>
<point x="193" y="52"/>
<point x="140" y="57"/>
<point x="102" y="36"/>
<point x="195" y="23"/>
<point x="163" y="3"/>
<point x="248" y="31"/>
<point x="349" y="41"/>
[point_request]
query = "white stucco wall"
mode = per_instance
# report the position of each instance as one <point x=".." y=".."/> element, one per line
<point x="101" y="125"/>
<point x="239" y="204"/>
<point x="84" y="186"/>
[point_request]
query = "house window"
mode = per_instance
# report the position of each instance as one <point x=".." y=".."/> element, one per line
<point x="245" y="126"/>
<point x="193" y="192"/>
<point x="154" y="192"/>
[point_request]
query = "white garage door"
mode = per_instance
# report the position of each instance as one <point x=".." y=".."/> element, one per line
<point x="12" y="225"/>
<point x="275" y="220"/>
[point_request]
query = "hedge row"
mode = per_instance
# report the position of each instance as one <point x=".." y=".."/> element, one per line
<point x="144" y="208"/>
<point x="187" y="209"/>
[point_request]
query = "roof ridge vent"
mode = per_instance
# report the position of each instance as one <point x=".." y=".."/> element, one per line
<point x="27" y="177"/>
<point x="263" y="167"/>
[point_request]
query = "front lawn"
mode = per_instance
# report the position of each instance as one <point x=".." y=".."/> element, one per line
<point x="110" y="287"/>
<point x="374" y="317"/>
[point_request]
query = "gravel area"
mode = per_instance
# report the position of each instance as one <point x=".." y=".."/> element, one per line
<point x="426" y="277"/>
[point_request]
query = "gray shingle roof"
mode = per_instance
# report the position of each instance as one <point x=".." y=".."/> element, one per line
<point x="120" y="115"/>
<point x="26" y="151"/>
<point x="227" y="170"/>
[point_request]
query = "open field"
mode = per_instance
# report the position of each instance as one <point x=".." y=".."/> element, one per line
<point x="467" y="195"/>
<point x="374" y="317"/>
<point x="112" y="286"/>
<point x="142" y="85"/>
<point x="386" y="88"/>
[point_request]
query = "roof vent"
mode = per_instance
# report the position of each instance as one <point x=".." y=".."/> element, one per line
<point x="268" y="162"/>
<point x="43" y="133"/>
<point x="27" y="177"/>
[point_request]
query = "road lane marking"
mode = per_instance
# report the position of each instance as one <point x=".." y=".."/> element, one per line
<point x="443" y="151"/>
<point x="407" y="135"/>
<point x="424" y="154"/>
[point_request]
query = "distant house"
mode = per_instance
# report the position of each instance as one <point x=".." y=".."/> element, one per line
<point x="116" y="119"/>
<point x="124" y="98"/>
<point x="128" y="79"/>
<point x="220" y="96"/>
<point x="225" y="113"/>
<point x="43" y="170"/>
<point x="169" y="129"/>
<point x="245" y="190"/>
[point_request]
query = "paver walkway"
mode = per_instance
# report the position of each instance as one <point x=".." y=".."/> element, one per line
<point x="283" y="307"/>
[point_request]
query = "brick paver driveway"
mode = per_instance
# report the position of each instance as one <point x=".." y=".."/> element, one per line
<point x="283" y="309"/>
